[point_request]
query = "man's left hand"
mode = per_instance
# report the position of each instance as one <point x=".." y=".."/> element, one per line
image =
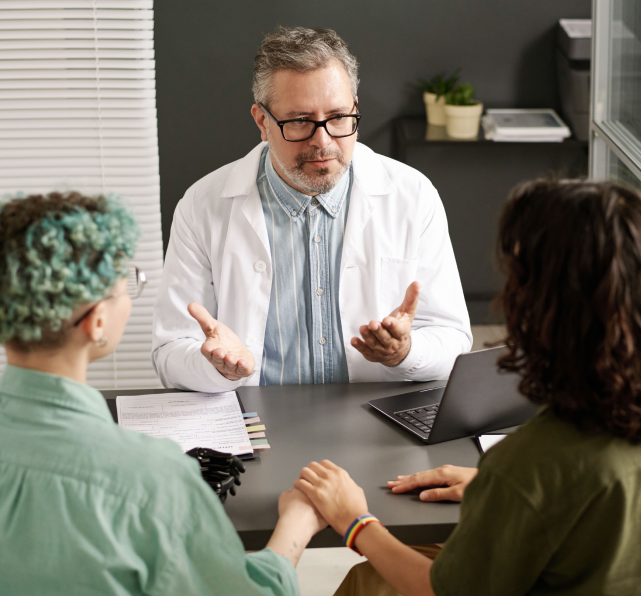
<point x="388" y="341"/>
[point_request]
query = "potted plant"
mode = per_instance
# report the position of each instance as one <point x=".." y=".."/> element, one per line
<point x="434" y="96"/>
<point x="462" y="112"/>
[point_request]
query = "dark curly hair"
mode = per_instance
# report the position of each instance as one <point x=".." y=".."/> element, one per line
<point x="571" y="253"/>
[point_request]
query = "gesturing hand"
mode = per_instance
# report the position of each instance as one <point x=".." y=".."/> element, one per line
<point x="388" y="341"/>
<point x="336" y="496"/>
<point x="454" y="478"/>
<point x="222" y="347"/>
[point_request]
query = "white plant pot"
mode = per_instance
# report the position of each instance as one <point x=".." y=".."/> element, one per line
<point x="435" y="109"/>
<point x="462" y="122"/>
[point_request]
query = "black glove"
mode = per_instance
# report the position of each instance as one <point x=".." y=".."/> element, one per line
<point x="220" y="470"/>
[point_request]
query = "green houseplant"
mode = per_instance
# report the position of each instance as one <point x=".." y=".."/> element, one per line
<point x="462" y="112"/>
<point x="462" y="95"/>
<point x="434" y="92"/>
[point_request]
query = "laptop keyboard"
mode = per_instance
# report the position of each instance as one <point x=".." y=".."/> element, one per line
<point x="420" y="418"/>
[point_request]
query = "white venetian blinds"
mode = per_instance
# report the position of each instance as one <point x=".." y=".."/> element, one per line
<point x="78" y="111"/>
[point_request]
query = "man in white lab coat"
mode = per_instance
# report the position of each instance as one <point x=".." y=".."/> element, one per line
<point x="312" y="259"/>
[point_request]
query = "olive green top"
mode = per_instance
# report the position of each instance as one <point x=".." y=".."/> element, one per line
<point x="552" y="511"/>
<point x="89" y="508"/>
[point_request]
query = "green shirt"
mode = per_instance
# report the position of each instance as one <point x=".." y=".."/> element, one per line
<point x="552" y="511"/>
<point x="87" y="507"/>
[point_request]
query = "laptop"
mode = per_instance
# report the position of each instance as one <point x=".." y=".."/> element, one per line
<point x="477" y="399"/>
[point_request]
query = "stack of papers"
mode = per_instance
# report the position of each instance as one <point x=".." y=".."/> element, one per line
<point x="212" y="420"/>
<point x="525" y="126"/>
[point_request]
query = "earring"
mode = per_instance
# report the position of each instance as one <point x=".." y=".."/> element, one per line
<point x="101" y="343"/>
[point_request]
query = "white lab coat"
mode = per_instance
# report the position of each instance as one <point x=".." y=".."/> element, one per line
<point x="219" y="256"/>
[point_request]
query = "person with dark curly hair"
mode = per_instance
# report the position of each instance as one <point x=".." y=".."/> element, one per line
<point x="555" y="508"/>
<point x="87" y="507"/>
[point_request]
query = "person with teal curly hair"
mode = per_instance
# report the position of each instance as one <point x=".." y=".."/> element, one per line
<point x="85" y="505"/>
<point x="58" y="252"/>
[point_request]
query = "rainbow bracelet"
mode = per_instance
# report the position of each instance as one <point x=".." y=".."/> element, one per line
<point x="357" y="525"/>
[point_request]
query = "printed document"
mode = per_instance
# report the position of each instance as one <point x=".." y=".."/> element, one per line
<point x="212" y="420"/>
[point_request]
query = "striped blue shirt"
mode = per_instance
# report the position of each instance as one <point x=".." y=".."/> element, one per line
<point x="303" y="335"/>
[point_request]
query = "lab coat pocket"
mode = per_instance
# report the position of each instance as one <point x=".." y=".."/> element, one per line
<point x="396" y="275"/>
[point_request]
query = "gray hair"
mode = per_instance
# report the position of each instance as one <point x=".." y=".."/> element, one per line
<point x="302" y="50"/>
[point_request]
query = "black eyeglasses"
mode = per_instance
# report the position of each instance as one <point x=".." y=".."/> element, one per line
<point x="136" y="280"/>
<point x="301" y="129"/>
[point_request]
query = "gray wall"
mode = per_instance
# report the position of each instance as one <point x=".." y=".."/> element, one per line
<point x="205" y="51"/>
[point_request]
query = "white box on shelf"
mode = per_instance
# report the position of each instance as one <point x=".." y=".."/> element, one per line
<point x="532" y="125"/>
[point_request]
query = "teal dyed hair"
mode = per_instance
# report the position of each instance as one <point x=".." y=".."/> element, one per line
<point x="58" y="252"/>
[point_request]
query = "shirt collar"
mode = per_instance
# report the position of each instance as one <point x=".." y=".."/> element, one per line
<point x="294" y="203"/>
<point x="53" y="390"/>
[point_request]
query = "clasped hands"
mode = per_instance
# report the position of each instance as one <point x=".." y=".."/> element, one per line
<point x="337" y="500"/>
<point x="387" y="342"/>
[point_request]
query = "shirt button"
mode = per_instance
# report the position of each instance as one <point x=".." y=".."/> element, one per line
<point x="321" y="340"/>
<point x="260" y="266"/>
<point x="333" y="209"/>
<point x="317" y="239"/>
<point x="250" y="340"/>
<point x="315" y="202"/>
<point x="293" y="213"/>
<point x="319" y="291"/>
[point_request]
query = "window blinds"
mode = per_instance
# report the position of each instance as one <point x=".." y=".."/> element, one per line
<point x="78" y="112"/>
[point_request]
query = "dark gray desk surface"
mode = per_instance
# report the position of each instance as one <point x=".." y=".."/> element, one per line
<point x="314" y="422"/>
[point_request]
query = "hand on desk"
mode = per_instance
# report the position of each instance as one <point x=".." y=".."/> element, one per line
<point x="454" y="478"/>
<point x="388" y="341"/>
<point x="222" y="347"/>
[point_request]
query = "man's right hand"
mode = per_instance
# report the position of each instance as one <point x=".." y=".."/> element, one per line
<point x="222" y="347"/>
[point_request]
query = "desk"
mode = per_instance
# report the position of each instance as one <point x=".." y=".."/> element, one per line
<point x="314" y="422"/>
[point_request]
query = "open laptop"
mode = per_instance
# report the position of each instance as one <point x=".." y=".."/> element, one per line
<point x="477" y="399"/>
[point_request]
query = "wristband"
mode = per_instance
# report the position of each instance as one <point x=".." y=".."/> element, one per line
<point x="357" y="525"/>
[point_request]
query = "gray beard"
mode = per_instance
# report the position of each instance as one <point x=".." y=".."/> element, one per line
<point x="320" y="183"/>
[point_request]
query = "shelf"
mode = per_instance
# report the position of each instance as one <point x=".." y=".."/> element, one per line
<point x="413" y="130"/>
